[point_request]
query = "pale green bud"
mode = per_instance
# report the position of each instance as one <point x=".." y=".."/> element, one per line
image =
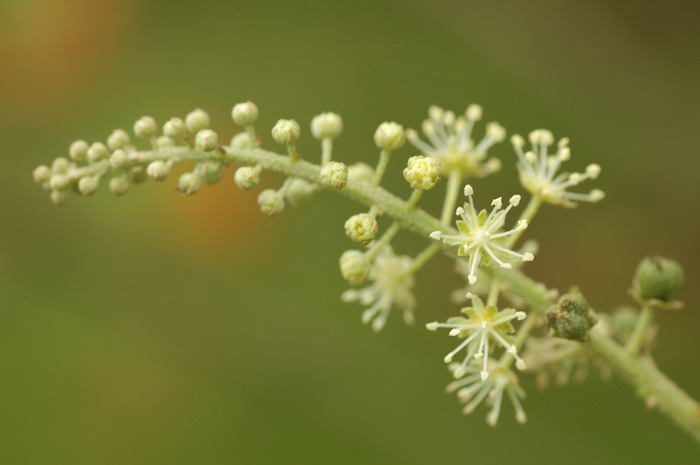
<point x="58" y="182"/>
<point x="60" y="166"/>
<point x="164" y="142"/>
<point x="189" y="183"/>
<point x="334" y="174"/>
<point x="244" y="114"/>
<point x="658" y="278"/>
<point x="145" y="128"/>
<point x="211" y="170"/>
<point x="118" y="185"/>
<point x="247" y="177"/>
<point x="206" y="140"/>
<point x="360" y="172"/>
<point x="41" y="174"/>
<point x="242" y="141"/>
<point x="175" y="128"/>
<point x="361" y="228"/>
<point x="389" y="136"/>
<point x="158" y="170"/>
<point x="571" y="318"/>
<point x="58" y="198"/>
<point x="196" y="120"/>
<point x="97" y="152"/>
<point x="286" y="131"/>
<point x="270" y="202"/>
<point x="422" y="172"/>
<point x="78" y="150"/>
<point x="354" y="266"/>
<point x="118" y="139"/>
<point x="88" y="185"/>
<point x="299" y="191"/>
<point x="138" y="174"/>
<point x="119" y="159"/>
<point x="326" y="126"/>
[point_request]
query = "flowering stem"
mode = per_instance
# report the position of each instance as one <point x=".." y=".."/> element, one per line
<point x="640" y="331"/>
<point x="251" y="134"/>
<point x="528" y="214"/>
<point x="378" y="245"/>
<point x="381" y="167"/>
<point x="326" y="150"/>
<point x="448" y="206"/>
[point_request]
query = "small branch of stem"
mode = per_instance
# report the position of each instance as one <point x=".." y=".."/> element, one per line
<point x="381" y="167"/>
<point x="636" y="341"/>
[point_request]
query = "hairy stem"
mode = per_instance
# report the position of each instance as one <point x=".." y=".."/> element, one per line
<point x="636" y="341"/>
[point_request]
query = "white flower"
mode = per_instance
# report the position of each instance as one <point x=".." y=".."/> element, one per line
<point x="391" y="286"/>
<point x="481" y="236"/>
<point x="538" y="169"/>
<point x="472" y="389"/>
<point x="452" y="143"/>
<point x="484" y="327"/>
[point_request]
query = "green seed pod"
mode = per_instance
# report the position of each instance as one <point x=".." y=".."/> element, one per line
<point x="196" y="120"/>
<point x="354" y="266"/>
<point x="361" y="228"/>
<point x="658" y="278"/>
<point x="334" y="175"/>
<point x="286" y="131"/>
<point x="270" y="202"/>
<point x="244" y="114"/>
<point x="389" y="136"/>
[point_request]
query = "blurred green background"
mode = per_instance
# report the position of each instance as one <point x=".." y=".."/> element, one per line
<point x="156" y="329"/>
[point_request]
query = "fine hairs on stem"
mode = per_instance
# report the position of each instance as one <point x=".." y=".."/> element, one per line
<point x="510" y="326"/>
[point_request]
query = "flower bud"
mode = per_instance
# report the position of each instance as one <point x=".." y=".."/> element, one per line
<point x="165" y="142"/>
<point x="196" y="120"/>
<point x="389" y="136"/>
<point x="41" y="174"/>
<point x="354" y="266"/>
<point x="189" y="183"/>
<point x="244" y="114"/>
<point x="270" y="202"/>
<point x="571" y="318"/>
<point x="206" y="140"/>
<point x="334" y="174"/>
<point x="175" y="128"/>
<point x="360" y="172"/>
<point x="78" y="150"/>
<point x="145" y="128"/>
<point x="242" y="141"/>
<point x="58" y="198"/>
<point x="422" y="172"/>
<point x="211" y="171"/>
<point x="118" y="139"/>
<point x="299" y="191"/>
<point x="247" y="177"/>
<point x="658" y="278"/>
<point x="159" y="170"/>
<point x="138" y="174"/>
<point x="118" y="185"/>
<point x="119" y="159"/>
<point x="286" y="131"/>
<point x="97" y="152"/>
<point x="88" y="185"/>
<point x="361" y="228"/>
<point x="58" y="182"/>
<point x="326" y="126"/>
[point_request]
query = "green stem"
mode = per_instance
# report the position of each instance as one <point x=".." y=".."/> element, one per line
<point x="636" y="341"/>
<point x="381" y="167"/>
<point x="494" y="290"/>
<point x="251" y="135"/>
<point x="451" y="194"/>
<point x="379" y="244"/>
<point x="326" y="150"/>
<point x="528" y="214"/>
<point x="422" y="258"/>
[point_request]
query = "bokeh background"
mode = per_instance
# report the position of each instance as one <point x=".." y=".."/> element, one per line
<point x="156" y="329"/>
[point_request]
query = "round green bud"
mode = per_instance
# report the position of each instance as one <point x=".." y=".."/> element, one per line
<point x="624" y="321"/>
<point x="206" y="140"/>
<point x="354" y="266"/>
<point x="88" y="185"/>
<point x="334" y="175"/>
<point x="571" y="318"/>
<point x="118" y="185"/>
<point x="658" y="278"/>
<point x="60" y="166"/>
<point x="58" y="182"/>
<point x="118" y="139"/>
<point x="326" y="126"/>
<point x="145" y="128"/>
<point x="189" y="183"/>
<point x="158" y="170"/>
<point x="389" y="136"/>
<point x="360" y="172"/>
<point x="196" y="120"/>
<point x="422" y="172"/>
<point x="175" y="128"/>
<point x="78" y="150"/>
<point x="286" y="131"/>
<point x="165" y="142"/>
<point x="242" y="141"/>
<point x="138" y="174"/>
<point x="247" y="177"/>
<point x="270" y="202"/>
<point x="119" y="159"/>
<point x="41" y="174"/>
<point x="299" y="191"/>
<point x="211" y="171"/>
<point x="58" y="198"/>
<point x="97" y="152"/>
<point x="244" y="114"/>
<point x="573" y="302"/>
<point x="361" y="228"/>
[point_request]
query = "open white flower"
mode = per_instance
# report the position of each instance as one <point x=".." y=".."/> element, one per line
<point x="391" y="287"/>
<point x="483" y="328"/>
<point x="452" y="143"/>
<point x="472" y="389"/>
<point x="538" y="170"/>
<point x="481" y="237"/>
